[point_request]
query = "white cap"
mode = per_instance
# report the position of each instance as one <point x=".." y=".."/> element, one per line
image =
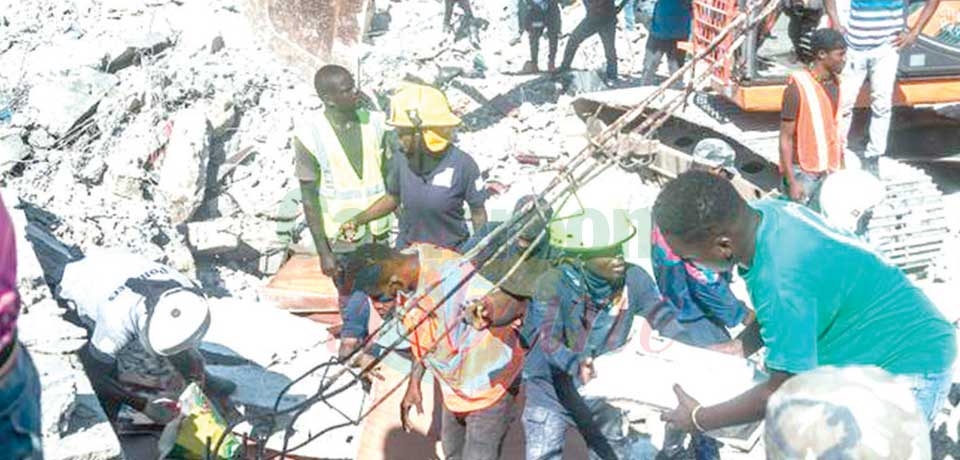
<point x="846" y="195"/>
<point x="179" y="322"/>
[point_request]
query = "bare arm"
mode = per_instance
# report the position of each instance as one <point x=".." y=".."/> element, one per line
<point x="831" y="6"/>
<point x="385" y="205"/>
<point x="103" y="379"/>
<point x="313" y="212"/>
<point x="746" y="408"/>
<point x="906" y="39"/>
<point x="787" y="147"/>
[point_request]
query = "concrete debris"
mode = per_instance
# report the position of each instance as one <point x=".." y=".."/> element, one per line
<point x="12" y="151"/>
<point x="183" y="171"/>
<point x="222" y="115"/>
<point x="213" y="236"/>
<point x="62" y="102"/>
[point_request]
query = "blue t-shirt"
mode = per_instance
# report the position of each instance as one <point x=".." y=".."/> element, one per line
<point x="431" y="207"/>
<point x="671" y="20"/>
<point x="822" y="297"/>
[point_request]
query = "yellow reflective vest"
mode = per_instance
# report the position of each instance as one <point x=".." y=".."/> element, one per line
<point x="342" y="194"/>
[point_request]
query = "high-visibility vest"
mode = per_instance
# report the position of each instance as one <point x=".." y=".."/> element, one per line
<point x="342" y="193"/>
<point x="818" y="146"/>
<point x="475" y="369"/>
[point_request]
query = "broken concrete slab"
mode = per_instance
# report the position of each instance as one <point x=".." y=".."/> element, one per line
<point x="183" y="171"/>
<point x="129" y="51"/>
<point x="60" y="102"/>
<point x="210" y="237"/>
<point x="222" y="115"/>
<point x="12" y="151"/>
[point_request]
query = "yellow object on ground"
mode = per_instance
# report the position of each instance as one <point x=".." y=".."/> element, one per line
<point x="199" y="421"/>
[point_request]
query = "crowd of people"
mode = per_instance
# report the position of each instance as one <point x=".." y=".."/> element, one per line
<point x="530" y="310"/>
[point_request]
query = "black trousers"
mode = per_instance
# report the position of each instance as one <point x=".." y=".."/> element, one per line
<point x="604" y="26"/>
<point x="448" y="9"/>
<point x="535" y="21"/>
<point x="656" y="49"/>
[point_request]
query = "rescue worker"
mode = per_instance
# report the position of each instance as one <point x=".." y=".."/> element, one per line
<point x="541" y="15"/>
<point x="670" y="25"/>
<point x="341" y="164"/>
<point x="127" y="300"/>
<point x="584" y="307"/>
<point x="20" y="433"/>
<point x="855" y="309"/>
<point x="433" y="178"/>
<point x="601" y="20"/>
<point x="478" y="361"/>
<point x="470" y="22"/>
<point x="810" y="148"/>
<point x="875" y="32"/>
<point x="845" y="412"/>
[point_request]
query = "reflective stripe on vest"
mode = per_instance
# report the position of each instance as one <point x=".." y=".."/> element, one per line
<point x="342" y="194"/>
<point x="817" y="145"/>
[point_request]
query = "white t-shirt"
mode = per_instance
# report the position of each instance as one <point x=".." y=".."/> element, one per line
<point x="96" y="285"/>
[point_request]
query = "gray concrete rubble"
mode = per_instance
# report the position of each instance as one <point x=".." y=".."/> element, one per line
<point x="74" y="425"/>
<point x="183" y="165"/>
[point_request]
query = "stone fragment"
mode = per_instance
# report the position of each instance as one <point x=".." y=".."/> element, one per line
<point x="59" y="103"/>
<point x="222" y="115"/>
<point x="183" y="171"/>
<point x="213" y="236"/>
<point x="12" y="151"/>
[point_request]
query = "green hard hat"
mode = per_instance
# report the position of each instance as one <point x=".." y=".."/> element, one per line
<point x="594" y="218"/>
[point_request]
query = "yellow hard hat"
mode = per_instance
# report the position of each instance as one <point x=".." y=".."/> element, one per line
<point x="428" y="104"/>
<point x="597" y="216"/>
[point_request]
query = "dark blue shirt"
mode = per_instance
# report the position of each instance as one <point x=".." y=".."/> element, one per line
<point x="431" y="206"/>
<point x="565" y="324"/>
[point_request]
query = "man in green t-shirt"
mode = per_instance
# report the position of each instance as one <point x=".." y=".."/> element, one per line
<point x="821" y="296"/>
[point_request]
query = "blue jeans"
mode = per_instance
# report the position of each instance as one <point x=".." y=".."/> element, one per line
<point x="931" y="391"/>
<point x="630" y="14"/>
<point x="545" y="429"/>
<point x="20" y="410"/>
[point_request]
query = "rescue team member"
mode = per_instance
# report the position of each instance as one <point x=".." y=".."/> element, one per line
<point x="875" y="32"/>
<point x="125" y="299"/>
<point x="20" y="433"/>
<point x="434" y="178"/>
<point x="810" y="148"/>
<point x="469" y="21"/>
<point x="341" y="164"/>
<point x="584" y="307"/>
<point x="540" y="15"/>
<point x="856" y="310"/>
<point x="670" y="25"/>
<point x="601" y="20"/>
<point x="845" y="412"/>
<point x="478" y="363"/>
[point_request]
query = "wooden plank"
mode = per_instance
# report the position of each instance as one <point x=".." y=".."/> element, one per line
<point x="300" y="287"/>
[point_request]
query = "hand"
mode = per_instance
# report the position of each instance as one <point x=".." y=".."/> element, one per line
<point x="682" y="416"/>
<point x="348" y="231"/>
<point x="839" y="28"/>
<point x="732" y="347"/>
<point x="162" y="410"/>
<point x="365" y="363"/>
<point x="479" y="314"/>
<point x="749" y="317"/>
<point x="905" y="39"/>
<point x="412" y="398"/>
<point x="587" y="371"/>
<point x="328" y="265"/>
<point x="797" y="193"/>
<point x="496" y="188"/>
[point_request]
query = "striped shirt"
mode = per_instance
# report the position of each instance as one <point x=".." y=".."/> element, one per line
<point x="874" y="22"/>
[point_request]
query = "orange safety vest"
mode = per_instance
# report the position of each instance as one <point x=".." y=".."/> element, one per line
<point x="475" y="369"/>
<point x="818" y="146"/>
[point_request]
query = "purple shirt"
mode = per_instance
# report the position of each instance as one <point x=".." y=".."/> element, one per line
<point x="9" y="298"/>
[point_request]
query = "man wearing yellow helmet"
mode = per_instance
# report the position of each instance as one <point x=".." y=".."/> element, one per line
<point x="433" y="178"/>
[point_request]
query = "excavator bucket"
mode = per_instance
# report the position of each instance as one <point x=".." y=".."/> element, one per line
<point x="311" y="33"/>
